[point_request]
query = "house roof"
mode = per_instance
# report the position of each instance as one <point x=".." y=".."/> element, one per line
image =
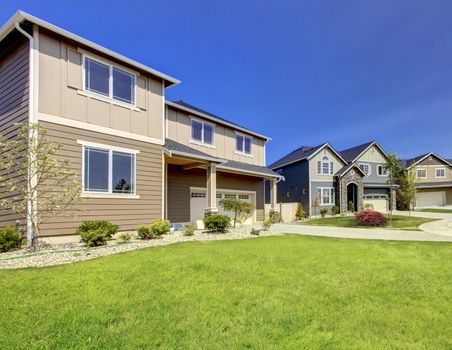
<point x="302" y="153"/>
<point x="352" y="154"/>
<point x="210" y="116"/>
<point x="409" y="163"/>
<point x="176" y="148"/>
<point x="345" y="169"/>
<point x="21" y="16"/>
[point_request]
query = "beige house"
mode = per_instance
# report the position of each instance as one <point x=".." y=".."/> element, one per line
<point x="434" y="180"/>
<point x="138" y="156"/>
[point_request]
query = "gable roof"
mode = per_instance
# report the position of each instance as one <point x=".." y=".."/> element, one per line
<point x="352" y="154"/>
<point x="409" y="163"/>
<point x="21" y="16"/>
<point x="180" y="104"/>
<point x="347" y="168"/>
<point x="302" y="153"/>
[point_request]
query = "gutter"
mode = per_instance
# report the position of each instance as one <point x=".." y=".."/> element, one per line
<point x="30" y="180"/>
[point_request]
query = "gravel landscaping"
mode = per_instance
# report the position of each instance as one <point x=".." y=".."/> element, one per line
<point x="57" y="254"/>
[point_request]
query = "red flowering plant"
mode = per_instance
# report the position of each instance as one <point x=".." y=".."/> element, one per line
<point x="370" y="218"/>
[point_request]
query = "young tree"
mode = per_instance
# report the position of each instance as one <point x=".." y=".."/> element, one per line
<point x="28" y="164"/>
<point x="315" y="204"/>
<point x="241" y="209"/>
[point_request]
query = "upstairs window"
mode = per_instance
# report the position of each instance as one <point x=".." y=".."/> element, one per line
<point x="365" y="168"/>
<point x="243" y="144"/>
<point x="109" y="81"/>
<point x="202" y="132"/>
<point x="421" y="173"/>
<point x="440" y="172"/>
<point x="325" y="167"/>
<point x="382" y="170"/>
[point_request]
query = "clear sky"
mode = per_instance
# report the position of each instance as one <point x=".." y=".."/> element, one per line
<point x="301" y="72"/>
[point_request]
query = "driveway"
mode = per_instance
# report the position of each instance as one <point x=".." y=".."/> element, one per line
<point x="441" y="227"/>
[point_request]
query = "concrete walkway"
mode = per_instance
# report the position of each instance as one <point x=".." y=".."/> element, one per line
<point x="440" y="227"/>
<point x="360" y="233"/>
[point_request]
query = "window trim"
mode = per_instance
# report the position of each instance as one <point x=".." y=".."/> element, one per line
<point x="330" y="166"/>
<point x="251" y="145"/>
<point x="332" y="194"/>
<point x="369" y="166"/>
<point x="436" y="173"/>
<point x="379" y="166"/>
<point x="109" y="97"/>
<point x="202" y="143"/>
<point x="110" y="149"/>
<point x="421" y="177"/>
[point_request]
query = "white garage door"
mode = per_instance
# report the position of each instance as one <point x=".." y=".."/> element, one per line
<point x="430" y="199"/>
<point x="198" y="204"/>
<point x="379" y="203"/>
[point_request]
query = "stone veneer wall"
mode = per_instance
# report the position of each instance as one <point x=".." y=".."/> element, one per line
<point x="349" y="177"/>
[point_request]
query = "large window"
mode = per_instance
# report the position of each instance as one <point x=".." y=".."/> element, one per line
<point x="202" y="132"/>
<point x="243" y="144"/>
<point x="325" y="167"/>
<point x="108" y="171"/>
<point x="440" y="172"/>
<point x="109" y="81"/>
<point x="365" y="168"/>
<point x="421" y="173"/>
<point x="326" y="195"/>
<point x="382" y="170"/>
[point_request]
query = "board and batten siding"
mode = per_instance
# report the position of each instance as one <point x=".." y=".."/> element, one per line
<point x="128" y="213"/>
<point x="180" y="181"/>
<point x="14" y="96"/>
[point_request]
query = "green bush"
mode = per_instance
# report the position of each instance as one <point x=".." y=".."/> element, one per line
<point x="268" y="222"/>
<point x="255" y="232"/>
<point x="9" y="239"/>
<point x="300" y="214"/>
<point x="144" y="232"/>
<point x="95" y="238"/>
<point x="188" y="230"/>
<point x="323" y="212"/>
<point x="124" y="238"/>
<point x="217" y="223"/>
<point x="160" y="227"/>
<point x="335" y="210"/>
<point x="95" y="225"/>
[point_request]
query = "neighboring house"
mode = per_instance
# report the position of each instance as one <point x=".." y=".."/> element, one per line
<point x="320" y="177"/>
<point x="137" y="156"/>
<point x="434" y="179"/>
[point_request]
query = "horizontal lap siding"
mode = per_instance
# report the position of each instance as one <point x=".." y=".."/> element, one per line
<point x="127" y="213"/>
<point x="14" y="80"/>
<point x="180" y="181"/>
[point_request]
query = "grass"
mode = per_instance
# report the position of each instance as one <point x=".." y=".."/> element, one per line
<point x="399" y="222"/>
<point x="288" y="292"/>
<point x="436" y="210"/>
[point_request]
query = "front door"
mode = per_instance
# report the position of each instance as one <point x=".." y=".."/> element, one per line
<point x="352" y="197"/>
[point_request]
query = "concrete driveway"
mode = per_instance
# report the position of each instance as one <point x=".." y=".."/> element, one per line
<point x="441" y="227"/>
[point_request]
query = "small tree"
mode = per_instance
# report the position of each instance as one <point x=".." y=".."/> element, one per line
<point x="241" y="209"/>
<point x="315" y="204"/>
<point x="29" y="164"/>
<point x="300" y="214"/>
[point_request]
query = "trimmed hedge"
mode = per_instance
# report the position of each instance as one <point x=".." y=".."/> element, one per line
<point x="96" y="232"/>
<point x="370" y="218"/>
<point x="217" y="223"/>
<point x="9" y="239"/>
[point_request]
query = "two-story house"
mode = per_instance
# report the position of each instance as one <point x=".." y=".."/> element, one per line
<point x="137" y="156"/>
<point x="433" y="179"/>
<point x="320" y="177"/>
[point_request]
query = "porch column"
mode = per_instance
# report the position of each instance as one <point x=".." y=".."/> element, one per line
<point x="274" y="211"/>
<point x="211" y="190"/>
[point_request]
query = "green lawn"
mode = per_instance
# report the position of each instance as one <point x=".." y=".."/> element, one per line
<point x="287" y="292"/>
<point x="437" y="210"/>
<point x="399" y="222"/>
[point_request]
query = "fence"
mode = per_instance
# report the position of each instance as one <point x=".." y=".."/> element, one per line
<point x="287" y="211"/>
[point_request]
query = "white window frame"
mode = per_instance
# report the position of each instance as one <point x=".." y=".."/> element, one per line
<point x="110" y="150"/>
<point x="110" y="81"/>
<point x="382" y="167"/>
<point x="421" y="177"/>
<point x="368" y="167"/>
<point x="251" y="145"/>
<point x="330" y="166"/>
<point x="202" y="143"/>
<point x="332" y="195"/>
<point x="436" y="173"/>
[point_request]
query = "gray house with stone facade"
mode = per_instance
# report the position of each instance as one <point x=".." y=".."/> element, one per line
<point x="321" y="175"/>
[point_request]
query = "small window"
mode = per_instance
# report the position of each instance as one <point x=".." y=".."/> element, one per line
<point x="228" y="195"/>
<point x="244" y="196"/>
<point x="382" y="170"/>
<point x="219" y="196"/>
<point x="421" y="173"/>
<point x="123" y="86"/>
<point x="325" y="167"/>
<point x="440" y="172"/>
<point x="365" y="168"/>
<point x="202" y="132"/>
<point x="97" y="77"/>
<point x="198" y="195"/>
<point x="243" y="144"/>
<point x="108" y="171"/>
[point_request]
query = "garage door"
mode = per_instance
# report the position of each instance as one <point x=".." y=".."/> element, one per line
<point x="430" y="199"/>
<point x="198" y="204"/>
<point x="379" y="203"/>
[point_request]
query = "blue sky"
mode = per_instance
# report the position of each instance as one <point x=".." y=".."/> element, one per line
<point x="301" y="72"/>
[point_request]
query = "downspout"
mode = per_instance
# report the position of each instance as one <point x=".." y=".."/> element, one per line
<point x="30" y="180"/>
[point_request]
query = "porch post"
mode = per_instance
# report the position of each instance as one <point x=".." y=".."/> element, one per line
<point x="211" y="190"/>
<point x="274" y="211"/>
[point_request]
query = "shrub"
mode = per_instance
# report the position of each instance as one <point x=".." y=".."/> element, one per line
<point x="268" y="222"/>
<point x="323" y="212"/>
<point x="9" y="239"/>
<point x="96" y="237"/>
<point x="160" y="227"/>
<point x="95" y="225"/>
<point x="351" y="206"/>
<point x="335" y="210"/>
<point x="143" y="232"/>
<point x="369" y="206"/>
<point x="124" y="237"/>
<point x="188" y="230"/>
<point x="242" y="210"/>
<point x="300" y="214"/>
<point x="217" y="223"/>
<point x="370" y="218"/>
<point x="255" y="232"/>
